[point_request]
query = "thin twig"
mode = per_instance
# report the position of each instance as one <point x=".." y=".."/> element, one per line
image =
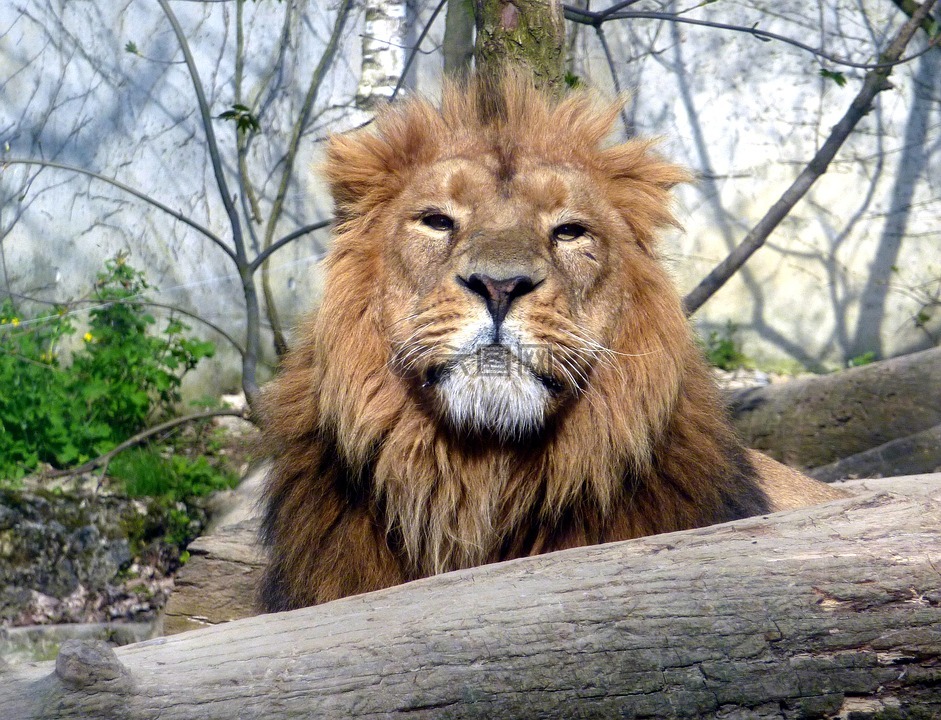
<point x="212" y="144"/>
<point x="599" y="31"/>
<point x="131" y="191"/>
<point x="103" y="460"/>
<point x="616" y="7"/>
<point x="211" y="325"/>
<point x="875" y="82"/>
<point x="249" y="201"/>
<point x="289" y="238"/>
<point x="597" y="17"/>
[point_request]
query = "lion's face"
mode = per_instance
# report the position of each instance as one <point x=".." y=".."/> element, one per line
<point x="487" y="272"/>
<point x="502" y="285"/>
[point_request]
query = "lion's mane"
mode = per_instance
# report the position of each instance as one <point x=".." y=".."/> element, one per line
<point x="368" y="488"/>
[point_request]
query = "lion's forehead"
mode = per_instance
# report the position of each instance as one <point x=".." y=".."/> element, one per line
<point x="480" y="186"/>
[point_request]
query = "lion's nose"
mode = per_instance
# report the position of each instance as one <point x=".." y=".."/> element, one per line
<point x="498" y="294"/>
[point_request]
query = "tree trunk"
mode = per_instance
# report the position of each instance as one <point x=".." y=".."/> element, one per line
<point x="521" y="33"/>
<point x="383" y="51"/>
<point x="458" y="44"/>
<point x="830" y="611"/>
<point x="815" y="421"/>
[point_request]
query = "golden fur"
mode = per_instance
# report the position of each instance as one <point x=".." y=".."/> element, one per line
<point x="395" y="454"/>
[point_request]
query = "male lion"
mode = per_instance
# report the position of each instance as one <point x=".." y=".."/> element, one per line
<point x="500" y="366"/>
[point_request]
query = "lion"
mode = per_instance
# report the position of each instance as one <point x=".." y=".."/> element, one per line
<point x="500" y="365"/>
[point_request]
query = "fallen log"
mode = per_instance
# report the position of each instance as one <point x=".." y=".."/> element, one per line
<point x="219" y="582"/>
<point x="810" y="422"/>
<point x="916" y="453"/>
<point x="829" y="611"/>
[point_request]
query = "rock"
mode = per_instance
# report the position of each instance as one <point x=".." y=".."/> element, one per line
<point x="67" y="557"/>
<point x="219" y="581"/>
<point x="85" y="663"/>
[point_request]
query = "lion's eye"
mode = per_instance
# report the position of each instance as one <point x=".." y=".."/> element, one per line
<point x="568" y="232"/>
<point x="438" y="221"/>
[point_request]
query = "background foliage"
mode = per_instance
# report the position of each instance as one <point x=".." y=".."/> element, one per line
<point x="62" y="407"/>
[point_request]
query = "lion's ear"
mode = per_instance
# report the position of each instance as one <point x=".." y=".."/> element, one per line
<point x="641" y="181"/>
<point x="357" y="168"/>
<point x="368" y="167"/>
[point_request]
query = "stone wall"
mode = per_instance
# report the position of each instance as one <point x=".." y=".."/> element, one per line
<point x="78" y="557"/>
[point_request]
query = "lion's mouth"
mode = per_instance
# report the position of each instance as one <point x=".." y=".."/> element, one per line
<point x="494" y="360"/>
<point x="434" y="375"/>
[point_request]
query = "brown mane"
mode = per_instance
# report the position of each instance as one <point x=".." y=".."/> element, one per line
<point x="369" y="489"/>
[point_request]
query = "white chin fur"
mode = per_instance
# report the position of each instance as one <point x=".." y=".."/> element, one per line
<point x="510" y="405"/>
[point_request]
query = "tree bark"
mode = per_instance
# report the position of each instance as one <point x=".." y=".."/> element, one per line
<point x="521" y="33"/>
<point x="458" y="43"/>
<point x="815" y="421"/>
<point x="383" y="51"/>
<point x="831" y="611"/>
<point x="917" y="453"/>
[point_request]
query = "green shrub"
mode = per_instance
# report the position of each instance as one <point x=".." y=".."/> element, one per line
<point x="175" y="482"/>
<point x="35" y="399"/>
<point x="122" y="378"/>
<point x="145" y="472"/>
<point x="722" y="350"/>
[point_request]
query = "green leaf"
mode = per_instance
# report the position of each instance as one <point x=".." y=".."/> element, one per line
<point x="131" y="48"/>
<point x="834" y="75"/>
<point x="866" y="358"/>
<point x="243" y="118"/>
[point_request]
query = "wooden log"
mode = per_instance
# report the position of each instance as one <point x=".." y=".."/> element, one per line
<point x="916" y="453"/>
<point x="815" y="421"/>
<point x="829" y="611"/>
<point x="220" y="581"/>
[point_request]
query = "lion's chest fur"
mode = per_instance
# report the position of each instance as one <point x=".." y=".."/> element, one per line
<point x="451" y="505"/>
<point x="454" y="503"/>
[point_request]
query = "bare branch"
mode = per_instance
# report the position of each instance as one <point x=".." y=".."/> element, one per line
<point x="599" y="31"/>
<point x="252" y="313"/>
<point x="247" y="192"/>
<point x="875" y="82"/>
<point x="211" y="144"/>
<point x="289" y="238"/>
<point x="198" y="318"/>
<point x="103" y="460"/>
<point x="597" y="17"/>
<point x="131" y="191"/>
